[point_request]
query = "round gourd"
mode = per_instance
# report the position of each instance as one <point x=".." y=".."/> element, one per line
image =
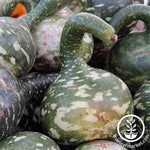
<point x="47" y="37"/>
<point x="130" y="56"/>
<point x="84" y="103"/>
<point x="100" y="145"/>
<point x="15" y="95"/>
<point x="17" y="47"/>
<point x="28" y="141"/>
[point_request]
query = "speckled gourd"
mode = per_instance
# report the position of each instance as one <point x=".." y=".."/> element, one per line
<point x="15" y="95"/>
<point x="84" y="103"/>
<point x="47" y="37"/>
<point x="100" y="145"/>
<point x="142" y="103"/>
<point x="28" y="141"/>
<point x="17" y="47"/>
<point x="130" y="57"/>
<point x="107" y="8"/>
<point x="31" y="119"/>
<point x="7" y="6"/>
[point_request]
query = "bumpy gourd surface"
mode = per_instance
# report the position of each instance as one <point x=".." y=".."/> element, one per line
<point x="84" y="103"/>
<point x="28" y="141"/>
<point x="100" y="145"/>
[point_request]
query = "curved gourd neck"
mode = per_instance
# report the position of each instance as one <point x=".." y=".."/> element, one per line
<point x="131" y="13"/>
<point x="44" y="9"/>
<point x="74" y="29"/>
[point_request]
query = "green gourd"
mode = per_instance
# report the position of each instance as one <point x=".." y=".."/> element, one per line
<point x="100" y="145"/>
<point x="28" y="141"/>
<point x="107" y="8"/>
<point x="47" y="37"/>
<point x="84" y="103"/>
<point x="17" y="47"/>
<point x="142" y="103"/>
<point x="15" y="95"/>
<point x="130" y="56"/>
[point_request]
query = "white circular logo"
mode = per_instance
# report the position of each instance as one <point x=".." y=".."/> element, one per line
<point x="131" y="128"/>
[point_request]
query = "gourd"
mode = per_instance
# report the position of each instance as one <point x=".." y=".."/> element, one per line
<point x="15" y="95"/>
<point x="17" y="47"/>
<point x="31" y="119"/>
<point x="84" y="103"/>
<point x="130" y="55"/>
<point x="142" y="104"/>
<point x="47" y="37"/>
<point x="107" y="8"/>
<point x="28" y="141"/>
<point x="100" y="145"/>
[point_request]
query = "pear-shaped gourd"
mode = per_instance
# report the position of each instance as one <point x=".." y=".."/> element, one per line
<point x="15" y="95"/>
<point x="28" y="141"/>
<point x="100" y="145"/>
<point x="130" y="57"/>
<point x="17" y="47"/>
<point x="84" y="103"/>
<point x="47" y="37"/>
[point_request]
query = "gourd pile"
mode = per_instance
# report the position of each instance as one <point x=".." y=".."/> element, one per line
<point x="70" y="70"/>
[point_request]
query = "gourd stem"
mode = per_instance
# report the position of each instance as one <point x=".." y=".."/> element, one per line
<point x="44" y="9"/>
<point x="131" y="13"/>
<point x="37" y="84"/>
<point x="74" y="29"/>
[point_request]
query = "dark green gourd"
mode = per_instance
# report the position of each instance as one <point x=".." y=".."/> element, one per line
<point x="130" y="57"/>
<point x="100" y="145"/>
<point x="107" y="8"/>
<point x="142" y="103"/>
<point x="84" y="103"/>
<point x="28" y="141"/>
<point x="17" y="47"/>
<point x="15" y="95"/>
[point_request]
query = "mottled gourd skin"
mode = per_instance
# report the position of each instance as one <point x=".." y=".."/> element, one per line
<point x="107" y="8"/>
<point x="17" y="48"/>
<point x="100" y="145"/>
<point x="15" y="95"/>
<point x="84" y="103"/>
<point x="47" y="37"/>
<point x="142" y="103"/>
<point x="130" y="57"/>
<point x="28" y="141"/>
<point x="31" y="119"/>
